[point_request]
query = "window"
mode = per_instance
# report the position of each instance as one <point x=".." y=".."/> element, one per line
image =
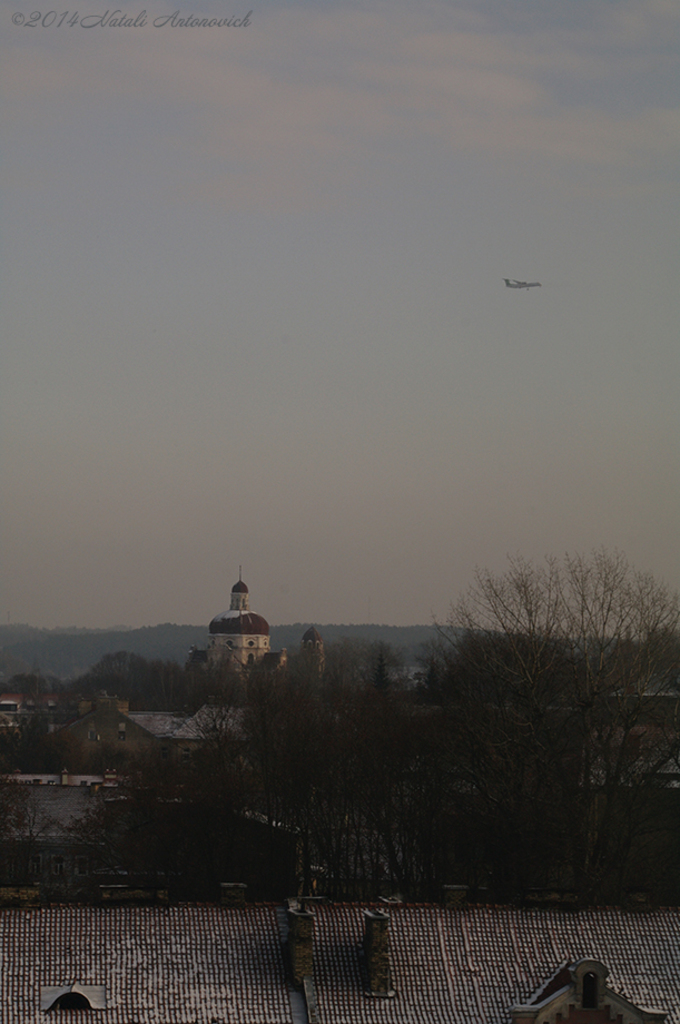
<point x="81" y="865"/>
<point x="35" y="865"/>
<point x="186" y="754"/>
<point x="165" y="753"/>
<point x="92" y="734"/>
<point x="72" y="997"/>
<point x="71" y="1001"/>
<point x="57" y="865"/>
<point x="121" y="734"/>
<point x="590" y="991"/>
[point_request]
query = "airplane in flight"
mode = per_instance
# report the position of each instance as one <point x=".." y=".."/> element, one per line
<point x="521" y="284"/>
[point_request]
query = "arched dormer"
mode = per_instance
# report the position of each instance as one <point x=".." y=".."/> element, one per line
<point x="71" y="1001"/>
<point x="589" y="977"/>
<point x="579" y="994"/>
<point x="62" y="998"/>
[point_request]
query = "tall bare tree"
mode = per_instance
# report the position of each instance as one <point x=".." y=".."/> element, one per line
<point x="563" y="682"/>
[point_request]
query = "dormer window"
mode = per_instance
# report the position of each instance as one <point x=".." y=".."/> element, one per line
<point x="71" y="1001"/>
<point x="590" y="991"/>
<point x="55" y="998"/>
<point x="577" y="992"/>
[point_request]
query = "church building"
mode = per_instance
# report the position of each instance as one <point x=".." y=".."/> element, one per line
<point x="239" y="638"/>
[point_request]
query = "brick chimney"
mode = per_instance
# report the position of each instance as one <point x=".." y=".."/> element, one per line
<point x="131" y="895"/>
<point x="455" y="895"/>
<point x="233" y="894"/>
<point x="301" y="943"/>
<point x="377" y="951"/>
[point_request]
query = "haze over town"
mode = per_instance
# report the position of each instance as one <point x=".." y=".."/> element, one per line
<point x="254" y="309"/>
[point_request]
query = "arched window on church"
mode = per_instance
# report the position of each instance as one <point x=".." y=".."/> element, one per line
<point x="590" y="991"/>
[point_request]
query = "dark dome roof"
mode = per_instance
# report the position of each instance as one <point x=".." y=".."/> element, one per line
<point x="312" y="636"/>
<point x="239" y="623"/>
<point x="239" y="588"/>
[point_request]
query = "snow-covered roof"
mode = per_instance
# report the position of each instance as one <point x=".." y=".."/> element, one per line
<point x="211" y="720"/>
<point x="158" y="723"/>
<point x="185" y="965"/>
<point x="473" y="965"/>
<point x="197" y="964"/>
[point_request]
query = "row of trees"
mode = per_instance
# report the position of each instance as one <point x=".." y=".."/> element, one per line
<point x="541" y="748"/>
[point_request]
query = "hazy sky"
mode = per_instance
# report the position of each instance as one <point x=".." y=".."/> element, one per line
<point x="253" y="308"/>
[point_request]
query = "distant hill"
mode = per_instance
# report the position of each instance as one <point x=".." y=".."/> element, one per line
<point x="68" y="654"/>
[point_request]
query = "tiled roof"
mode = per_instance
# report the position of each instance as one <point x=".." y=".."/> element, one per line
<point x="202" y="964"/>
<point x="470" y="966"/>
<point x="180" y="965"/>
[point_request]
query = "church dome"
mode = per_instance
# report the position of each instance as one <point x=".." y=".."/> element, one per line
<point x="240" y="623"/>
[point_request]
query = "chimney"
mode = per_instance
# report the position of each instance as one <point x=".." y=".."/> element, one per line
<point x="131" y="895"/>
<point x="377" y="951"/>
<point x="301" y="943"/>
<point x="233" y="895"/>
<point x="455" y="895"/>
<point x="64" y="776"/>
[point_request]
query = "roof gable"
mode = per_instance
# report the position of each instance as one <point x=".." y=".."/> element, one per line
<point x="580" y="994"/>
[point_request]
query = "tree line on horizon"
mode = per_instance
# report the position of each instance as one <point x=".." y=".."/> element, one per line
<point x="61" y="656"/>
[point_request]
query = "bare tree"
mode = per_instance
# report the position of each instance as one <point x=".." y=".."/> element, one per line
<point x="563" y="679"/>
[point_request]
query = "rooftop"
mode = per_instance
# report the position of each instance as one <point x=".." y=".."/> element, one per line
<point x="201" y="964"/>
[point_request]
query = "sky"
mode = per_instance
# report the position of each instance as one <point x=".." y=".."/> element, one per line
<point x="253" y="310"/>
